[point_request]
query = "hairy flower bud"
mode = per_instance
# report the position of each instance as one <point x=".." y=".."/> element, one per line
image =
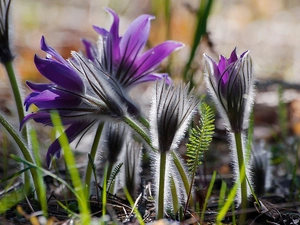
<point x="230" y="83"/>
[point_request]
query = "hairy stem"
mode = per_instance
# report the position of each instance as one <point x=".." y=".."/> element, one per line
<point x="138" y="129"/>
<point x="17" y="95"/>
<point x="176" y="160"/>
<point x="25" y="151"/>
<point x="242" y="173"/>
<point x="161" y="185"/>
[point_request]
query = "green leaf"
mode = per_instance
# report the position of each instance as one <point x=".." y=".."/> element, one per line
<point x="202" y="17"/>
<point x="200" y="138"/>
<point x="112" y="178"/>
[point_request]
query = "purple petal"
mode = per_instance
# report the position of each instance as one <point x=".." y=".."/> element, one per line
<point x="212" y="67"/>
<point x="222" y="64"/>
<point x="51" y="51"/>
<point x="242" y="55"/>
<point x="38" y="87"/>
<point x="135" y="37"/>
<point x="40" y="117"/>
<point x="53" y="99"/>
<point x="59" y="74"/>
<point x="233" y="57"/>
<point x="154" y="56"/>
<point x="31" y="95"/>
<point x="89" y="49"/>
<point x="42" y="99"/>
<point x="114" y="31"/>
<point x="103" y="32"/>
<point x="72" y="132"/>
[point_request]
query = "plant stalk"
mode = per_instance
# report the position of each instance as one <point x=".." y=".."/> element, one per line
<point x="161" y="185"/>
<point x="242" y="173"/>
<point x="138" y="129"/>
<point x="26" y="154"/>
<point x="17" y="95"/>
<point x="146" y="138"/>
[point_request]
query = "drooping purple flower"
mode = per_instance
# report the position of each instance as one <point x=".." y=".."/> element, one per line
<point x="122" y="57"/>
<point x="81" y="93"/>
<point x="230" y="82"/>
<point x="5" y="51"/>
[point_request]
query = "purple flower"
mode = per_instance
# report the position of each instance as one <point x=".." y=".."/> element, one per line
<point x="122" y="57"/>
<point x="81" y="93"/>
<point x="5" y="51"/>
<point x="230" y="82"/>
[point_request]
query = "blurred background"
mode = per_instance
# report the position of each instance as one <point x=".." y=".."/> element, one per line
<point x="270" y="29"/>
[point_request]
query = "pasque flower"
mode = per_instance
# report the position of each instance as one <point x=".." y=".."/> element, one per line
<point x="230" y="83"/>
<point x="122" y="57"/>
<point x="81" y="93"/>
<point x="5" y="51"/>
<point x="171" y="111"/>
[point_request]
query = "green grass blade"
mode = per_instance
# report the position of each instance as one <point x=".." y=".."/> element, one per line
<point x="67" y="209"/>
<point x="136" y="211"/>
<point x="91" y="161"/>
<point x="202" y="16"/>
<point x="210" y="187"/>
<point x="92" y="154"/>
<point x="228" y="203"/>
<point x="15" y="174"/>
<point x="104" y="190"/>
<point x="222" y="195"/>
<point x="46" y="172"/>
<point x="83" y="202"/>
<point x="182" y="173"/>
<point x="230" y="199"/>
